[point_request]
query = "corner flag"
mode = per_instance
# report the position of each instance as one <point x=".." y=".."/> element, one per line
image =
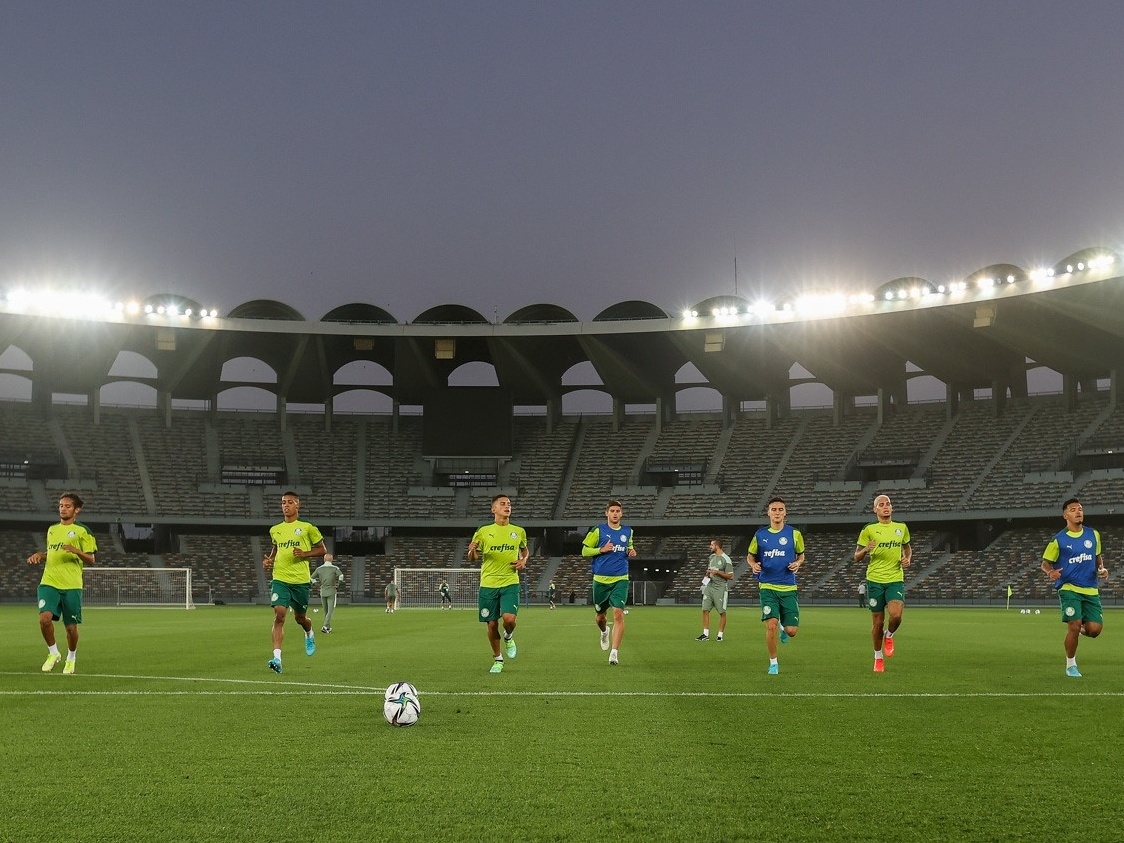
<point x="1009" y="592"/>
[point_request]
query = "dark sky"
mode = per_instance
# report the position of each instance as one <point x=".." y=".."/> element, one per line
<point x="500" y="154"/>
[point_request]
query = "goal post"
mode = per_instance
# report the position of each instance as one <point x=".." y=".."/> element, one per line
<point x="420" y="588"/>
<point x="169" y="587"/>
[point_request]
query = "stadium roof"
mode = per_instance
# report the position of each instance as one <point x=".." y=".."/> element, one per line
<point x="980" y="334"/>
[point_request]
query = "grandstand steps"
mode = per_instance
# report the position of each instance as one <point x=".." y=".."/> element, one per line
<point x="571" y="467"/>
<point x="1093" y="426"/>
<point x="211" y="446"/>
<point x="257" y="501"/>
<point x="861" y="445"/>
<point x="778" y="472"/>
<point x="548" y="572"/>
<point x="39" y="496"/>
<point x="646" y="450"/>
<point x="142" y="465"/>
<point x="916" y="579"/>
<point x="935" y="447"/>
<point x="360" y="480"/>
<point x="718" y="456"/>
<point x="59" y="438"/>
<point x="997" y="456"/>
<point x="460" y="502"/>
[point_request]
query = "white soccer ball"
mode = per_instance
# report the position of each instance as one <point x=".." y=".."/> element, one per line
<point x="1038" y="611"/>
<point x="401" y="705"/>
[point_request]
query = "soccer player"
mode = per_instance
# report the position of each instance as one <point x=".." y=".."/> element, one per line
<point x="716" y="589"/>
<point x="390" y="593"/>
<point x="551" y="593"/>
<point x="502" y="550"/>
<point x="775" y="555"/>
<point x="329" y="578"/>
<point x="446" y="597"/>
<point x="885" y="546"/>
<point x="294" y="543"/>
<point x="609" y="547"/>
<point x="70" y="547"/>
<point x="1073" y="562"/>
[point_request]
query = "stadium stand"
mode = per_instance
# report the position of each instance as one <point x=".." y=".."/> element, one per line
<point x="132" y="465"/>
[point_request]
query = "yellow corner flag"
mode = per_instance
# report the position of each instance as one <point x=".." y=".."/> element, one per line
<point x="1009" y="592"/>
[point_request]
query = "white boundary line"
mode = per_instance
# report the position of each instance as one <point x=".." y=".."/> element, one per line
<point x="320" y="688"/>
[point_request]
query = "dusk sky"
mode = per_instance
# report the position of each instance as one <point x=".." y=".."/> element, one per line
<point x="502" y="154"/>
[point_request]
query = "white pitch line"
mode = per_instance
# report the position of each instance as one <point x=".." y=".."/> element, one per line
<point x="326" y="689"/>
<point x="666" y="694"/>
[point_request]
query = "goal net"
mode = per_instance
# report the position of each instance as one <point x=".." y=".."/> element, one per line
<point x="137" y="587"/>
<point x="420" y="588"/>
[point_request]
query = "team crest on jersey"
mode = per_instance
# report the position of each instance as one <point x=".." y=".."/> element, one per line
<point x="897" y="532"/>
<point x="72" y="534"/>
<point x="623" y="537"/>
<point x="513" y="535"/>
<point x="297" y="531"/>
<point x="1088" y="543"/>
<point x="783" y="540"/>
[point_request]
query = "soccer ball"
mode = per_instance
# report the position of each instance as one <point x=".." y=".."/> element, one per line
<point x="401" y="706"/>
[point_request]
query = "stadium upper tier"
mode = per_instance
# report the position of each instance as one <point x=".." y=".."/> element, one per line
<point x="984" y="332"/>
<point x="225" y="469"/>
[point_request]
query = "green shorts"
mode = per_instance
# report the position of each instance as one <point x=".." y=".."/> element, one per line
<point x="878" y="594"/>
<point x="290" y="595"/>
<point x="781" y="605"/>
<point x="715" y="600"/>
<point x="496" y="602"/>
<point x="64" y="604"/>
<point x="613" y="594"/>
<point x="1080" y="607"/>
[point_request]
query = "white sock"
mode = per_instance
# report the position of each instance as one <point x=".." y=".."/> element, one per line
<point x="71" y="655"/>
<point x="877" y="654"/>
<point x="53" y="649"/>
<point x="613" y="653"/>
<point x="706" y="631"/>
<point x="719" y="636"/>
<point x="1071" y="662"/>
<point x="772" y="661"/>
<point x="888" y="635"/>
<point x="308" y="634"/>
<point x="277" y="654"/>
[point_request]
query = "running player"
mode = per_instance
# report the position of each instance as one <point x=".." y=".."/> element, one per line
<point x="501" y="548"/>
<point x="294" y="543"/>
<point x="70" y="547"/>
<point x="885" y="546"/>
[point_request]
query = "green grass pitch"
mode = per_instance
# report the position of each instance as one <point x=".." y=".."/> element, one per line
<point x="175" y="729"/>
